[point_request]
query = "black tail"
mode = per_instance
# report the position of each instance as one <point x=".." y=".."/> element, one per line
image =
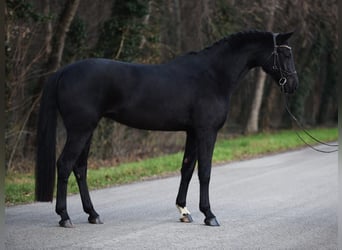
<point x="46" y="141"/>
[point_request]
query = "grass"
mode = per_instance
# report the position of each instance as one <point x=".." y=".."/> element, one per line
<point x="19" y="187"/>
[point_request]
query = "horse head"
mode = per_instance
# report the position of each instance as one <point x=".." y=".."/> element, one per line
<point x="280" y="64"/>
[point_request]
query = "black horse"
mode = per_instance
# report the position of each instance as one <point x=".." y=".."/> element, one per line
<point x="190" y="93"/>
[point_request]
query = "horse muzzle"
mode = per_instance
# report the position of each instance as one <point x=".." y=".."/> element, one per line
<point x="288" y="84"/>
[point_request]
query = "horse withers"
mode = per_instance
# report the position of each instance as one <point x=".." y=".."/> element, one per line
<point x="190" y="93"/>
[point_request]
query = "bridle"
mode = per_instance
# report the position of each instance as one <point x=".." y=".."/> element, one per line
<point x="284" y="74"/>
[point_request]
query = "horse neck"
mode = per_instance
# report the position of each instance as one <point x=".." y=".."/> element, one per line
<point x="232" y="64"/>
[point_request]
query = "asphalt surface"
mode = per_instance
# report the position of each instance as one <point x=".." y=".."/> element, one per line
<point x="284" y="201"/>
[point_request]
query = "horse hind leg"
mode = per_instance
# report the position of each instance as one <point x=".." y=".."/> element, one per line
<point x="73" y="148"/>
<point x="80" y="172"/>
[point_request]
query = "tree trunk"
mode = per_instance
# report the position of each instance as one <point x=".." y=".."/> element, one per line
<point x="48" y="28"/>
<point x="54" y="60"/>
<point x="146" y="23"/>
<point x="170" y="32"/>
<point x="177" y="13"/>
<point x="191" y="26"/>
<point x="61" y="31"/>
<point x="253" y="120"/>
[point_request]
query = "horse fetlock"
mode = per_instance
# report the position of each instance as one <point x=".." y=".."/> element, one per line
<point x="204" y="209"/>
<point x="185" y="214"/>
<point x="94" y="220"/>
<point x="63" y="213"/>
<point x="66" y="223"/>
<point x="183" y="210"/>
<point x="207" y="212"/>
<point x="92" y="213"/>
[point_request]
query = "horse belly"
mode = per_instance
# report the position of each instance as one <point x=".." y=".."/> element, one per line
<point x="156" y="118"/>
<point x="151" y="106"/>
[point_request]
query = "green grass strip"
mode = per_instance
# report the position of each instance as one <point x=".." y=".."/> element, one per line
<point x="20" y="187"/>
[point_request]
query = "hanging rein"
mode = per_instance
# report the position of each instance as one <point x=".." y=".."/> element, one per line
<point x="282" y="82"/>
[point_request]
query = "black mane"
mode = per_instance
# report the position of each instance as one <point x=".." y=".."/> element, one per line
<point x="239" y="39"/>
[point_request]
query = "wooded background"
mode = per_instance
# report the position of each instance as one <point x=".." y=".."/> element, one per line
<point x="43" y="35"/>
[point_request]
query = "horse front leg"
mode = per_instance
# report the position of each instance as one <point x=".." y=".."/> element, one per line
<point x="188" y="166"/>
<point x="205" y="154"/>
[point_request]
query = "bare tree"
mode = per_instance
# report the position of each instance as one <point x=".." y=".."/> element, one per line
<point x="62" y="27"/>
<point x="24" y="64"/>
<point x="253" y="120"/>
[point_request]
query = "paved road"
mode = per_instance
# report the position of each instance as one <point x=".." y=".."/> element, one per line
<point x="275" y="202"/>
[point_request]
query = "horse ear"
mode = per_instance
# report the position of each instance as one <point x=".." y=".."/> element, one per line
<point x="283" y="37"/>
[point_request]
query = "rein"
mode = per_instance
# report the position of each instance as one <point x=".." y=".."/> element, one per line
<point x="300" y="125"/>
<point x="282" y="82"/>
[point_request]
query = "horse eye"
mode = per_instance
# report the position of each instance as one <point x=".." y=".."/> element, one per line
<point x="287" y="54"/>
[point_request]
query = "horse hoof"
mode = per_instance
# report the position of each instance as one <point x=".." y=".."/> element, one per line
<point x="95" y="220"/>
<point x="186" y="218"/>
<point x="66" y="223"/>
<point x="212" y="222"/>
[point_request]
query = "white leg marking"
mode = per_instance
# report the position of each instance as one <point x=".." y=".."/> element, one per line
<point x="183" y="210"/>
<point x="185" y="214"/>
